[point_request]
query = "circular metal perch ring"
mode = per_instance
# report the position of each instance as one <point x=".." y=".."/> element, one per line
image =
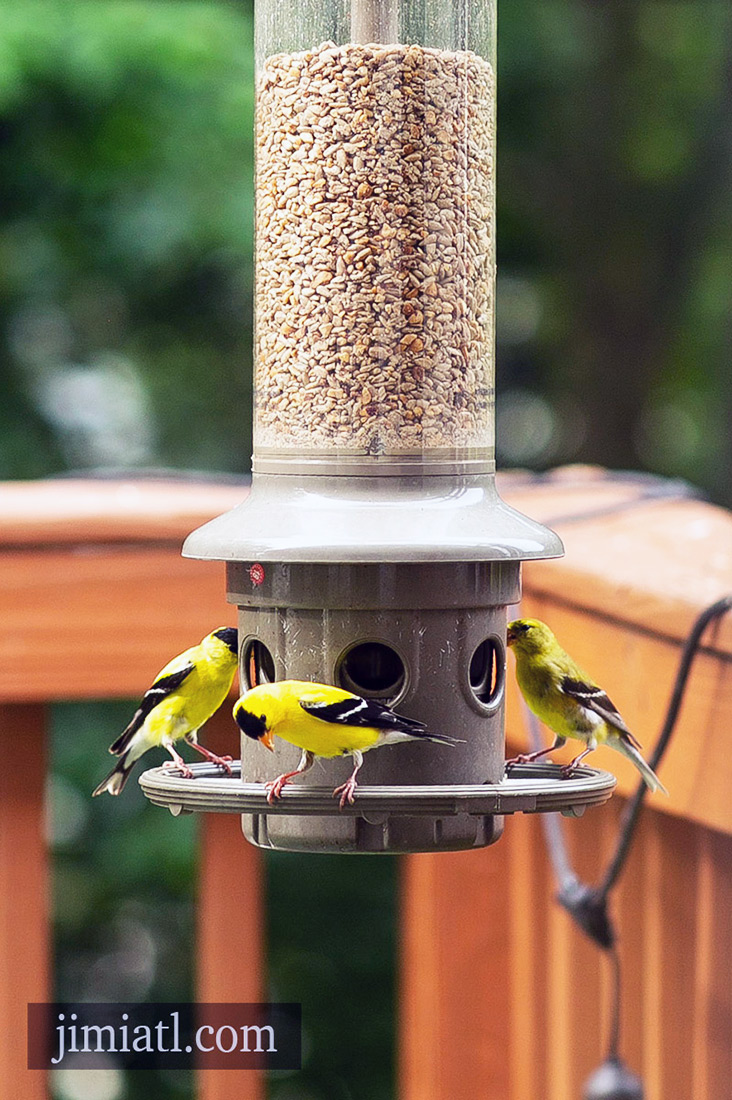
<point x="527" y="788"/>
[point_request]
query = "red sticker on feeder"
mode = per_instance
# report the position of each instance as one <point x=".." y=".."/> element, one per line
<point x="256" y="573"/>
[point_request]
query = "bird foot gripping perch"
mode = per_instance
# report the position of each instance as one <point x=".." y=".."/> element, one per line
<point x="275" y="787"/>
<point x="567" y="770"/>
<point x="346" y="790"/>
<point x="223" y="762"/>
<point x="531" y="757"/>
<point x="180" y="766"/>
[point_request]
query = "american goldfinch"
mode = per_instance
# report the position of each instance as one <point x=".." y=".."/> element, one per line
<point x="568" y="701"/>
<point x="323" y="721"/>
<point x="183" y="696"/>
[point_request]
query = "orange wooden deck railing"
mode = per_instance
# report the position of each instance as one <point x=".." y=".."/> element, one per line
<point x="501" y="997"/>
<point x="94" y="597"/>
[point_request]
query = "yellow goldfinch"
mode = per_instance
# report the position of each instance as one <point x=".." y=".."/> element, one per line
<point x="183" y="696"/>
<point x="568" y="701"/>
<point x="323" y="721"/>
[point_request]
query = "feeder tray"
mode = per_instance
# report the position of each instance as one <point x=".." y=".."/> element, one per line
<point x="371" y="819"/>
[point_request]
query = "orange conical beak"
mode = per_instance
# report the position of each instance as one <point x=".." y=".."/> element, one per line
<point x="267" y="740"/>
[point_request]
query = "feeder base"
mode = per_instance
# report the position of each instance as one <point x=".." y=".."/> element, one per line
<point x="381" y="819"/>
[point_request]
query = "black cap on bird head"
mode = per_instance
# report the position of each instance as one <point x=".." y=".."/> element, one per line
<point x="254" y="726"/>
<point x="229" y="635"/>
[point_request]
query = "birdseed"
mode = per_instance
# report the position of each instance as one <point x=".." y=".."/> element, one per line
<point x="375" y="250"/>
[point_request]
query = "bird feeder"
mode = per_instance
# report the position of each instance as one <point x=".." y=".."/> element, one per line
<point x="373" y="551"/>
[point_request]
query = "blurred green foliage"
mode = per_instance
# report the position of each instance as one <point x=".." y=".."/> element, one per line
<point x="615" y="222"/>
<point x="125" y="298"/>
<point x="331" y="924"/>
<point x="126" y="232"/>
<point x="126" y="235"/>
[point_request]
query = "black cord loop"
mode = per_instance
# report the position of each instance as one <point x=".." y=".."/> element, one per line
<point x="689" y="652"/>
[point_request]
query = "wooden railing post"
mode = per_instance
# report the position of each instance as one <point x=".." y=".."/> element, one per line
<point x="24" y="919"/>
<point x="455" y="1006"/>
<point x="229" y="936"/>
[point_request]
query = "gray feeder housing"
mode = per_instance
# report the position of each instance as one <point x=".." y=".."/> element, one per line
<point x="395" y="588"/>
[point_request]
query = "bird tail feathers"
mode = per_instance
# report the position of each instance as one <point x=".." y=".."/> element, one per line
<point x="118" y="747"/>
<point x="650" y="778"/>
<point x="115" y="781"/>
<point x="439" y="738"/>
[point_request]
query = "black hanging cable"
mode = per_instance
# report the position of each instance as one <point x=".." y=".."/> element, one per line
<point x="613" y="1043"/>
<point x="690" y="650"/>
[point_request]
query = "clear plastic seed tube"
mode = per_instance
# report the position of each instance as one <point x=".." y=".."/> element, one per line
<point x="375" y="235"/>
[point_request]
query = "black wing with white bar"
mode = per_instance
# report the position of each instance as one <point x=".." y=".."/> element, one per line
<point x="360" y="712"/>
<point x="160" y="690"/>
<point x="595" y="699"/>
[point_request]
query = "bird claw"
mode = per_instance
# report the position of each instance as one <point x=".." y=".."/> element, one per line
<point x="529" y="757"/>
<point x="184" y="770"/>
<point x="522" y="758"/>
<point x="274" y="787"/>
<point x="222" y="762"/>
<point x="346" y="791"/>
